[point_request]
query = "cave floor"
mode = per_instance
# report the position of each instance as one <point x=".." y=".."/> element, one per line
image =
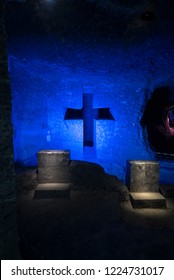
<point x="91" y="224"/>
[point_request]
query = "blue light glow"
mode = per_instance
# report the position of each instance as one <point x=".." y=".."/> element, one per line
<point x="45" y="82"/>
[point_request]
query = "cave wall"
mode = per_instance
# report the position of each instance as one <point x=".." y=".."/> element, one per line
<point x="50" y="72"/>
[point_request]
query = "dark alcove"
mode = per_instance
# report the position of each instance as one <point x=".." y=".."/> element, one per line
<point x="158" y="120"/>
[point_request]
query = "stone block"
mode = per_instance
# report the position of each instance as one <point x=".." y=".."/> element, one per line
<point x="142" y="176"/>
<point x="147" y="200"/>
<point x="54" y="175"/>
<point x="52" y="191"/>
<point x="53" y="166"/>
<point x="53" y="158"/>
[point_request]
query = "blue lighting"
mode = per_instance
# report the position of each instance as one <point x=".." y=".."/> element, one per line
<point x="47" y="80"/>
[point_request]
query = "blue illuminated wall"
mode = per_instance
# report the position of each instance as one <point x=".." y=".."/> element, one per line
<point x="49" y="75"/>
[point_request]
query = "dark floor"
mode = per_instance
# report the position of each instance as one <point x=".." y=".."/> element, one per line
<point x="97" y="221"/>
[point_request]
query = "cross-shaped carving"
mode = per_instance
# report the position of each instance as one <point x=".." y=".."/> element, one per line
<point x="88" y="114"/>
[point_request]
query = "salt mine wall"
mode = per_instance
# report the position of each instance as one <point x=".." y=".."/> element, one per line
<point x="50" y="73"/>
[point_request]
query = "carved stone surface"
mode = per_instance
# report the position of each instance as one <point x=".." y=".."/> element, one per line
<point x="142" y="176"/>
<point x="53" y="166"/>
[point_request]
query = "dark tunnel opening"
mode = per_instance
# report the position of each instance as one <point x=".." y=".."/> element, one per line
<point x="158" y="120"/>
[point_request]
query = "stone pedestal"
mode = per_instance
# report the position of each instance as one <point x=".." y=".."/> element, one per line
<point x="54" y="166"/>
<point x="142" y="179"/>
<point x="142" y="176"/>
<point x="54" y="174"/>
<point x="52" y="190"/>
<point x="147" y="200"/>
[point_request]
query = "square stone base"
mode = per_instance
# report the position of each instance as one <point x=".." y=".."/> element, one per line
<point x="147" y="200"/>
<point x="52" y="190"/>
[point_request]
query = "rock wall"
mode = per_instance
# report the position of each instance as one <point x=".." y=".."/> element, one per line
<point x="50" y="71"/>
<point x="8" y="233"/>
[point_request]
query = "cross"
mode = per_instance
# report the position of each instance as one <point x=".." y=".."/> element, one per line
<point x="88" y="114"/>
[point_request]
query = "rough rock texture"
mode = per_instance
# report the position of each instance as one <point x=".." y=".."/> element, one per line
<point x="94" y="223"/>
<point x="26" y="179"/>
<point x="167" y="190"/>
<point x="121" y="51"/>
<point x="84" y="175"/>
<point x="8" y="232"/>
<point x="143" y="176"/>
<point x="91" y="176"/>
<point x="53" y="166"/>
<point x="116" y="49"/>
